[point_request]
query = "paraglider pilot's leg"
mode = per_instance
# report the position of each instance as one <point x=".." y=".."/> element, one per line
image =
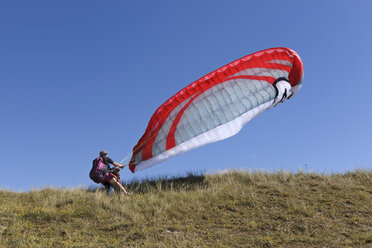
<point x="118" y="185"/>
<point x="107" y="187"/>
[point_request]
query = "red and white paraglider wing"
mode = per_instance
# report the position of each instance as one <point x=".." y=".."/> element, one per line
<point x="218" y="105"/>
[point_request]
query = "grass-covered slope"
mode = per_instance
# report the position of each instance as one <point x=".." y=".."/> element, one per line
<point x="234" y="209"/>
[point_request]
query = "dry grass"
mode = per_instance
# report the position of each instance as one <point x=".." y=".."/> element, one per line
<point x="233" y="209"/>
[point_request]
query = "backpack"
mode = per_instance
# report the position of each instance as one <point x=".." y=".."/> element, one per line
<point x="98" y="170"/>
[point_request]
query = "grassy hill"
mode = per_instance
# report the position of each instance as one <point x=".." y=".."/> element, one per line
<point x="232" y="209"/>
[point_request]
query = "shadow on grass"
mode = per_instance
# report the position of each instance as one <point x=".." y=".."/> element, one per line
<point x="190" y="182"/>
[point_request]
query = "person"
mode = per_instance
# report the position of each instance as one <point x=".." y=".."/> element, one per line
<point x="110" y="178"/>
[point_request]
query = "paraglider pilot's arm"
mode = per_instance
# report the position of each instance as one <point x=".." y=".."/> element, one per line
<point x="109" y="160"/>
<point x="119" y="165"/>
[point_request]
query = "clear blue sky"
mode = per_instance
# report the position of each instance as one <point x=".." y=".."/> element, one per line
<point x="81" y="76"/>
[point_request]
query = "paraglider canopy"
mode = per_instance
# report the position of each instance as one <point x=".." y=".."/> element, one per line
<point x="218" y="105"/>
